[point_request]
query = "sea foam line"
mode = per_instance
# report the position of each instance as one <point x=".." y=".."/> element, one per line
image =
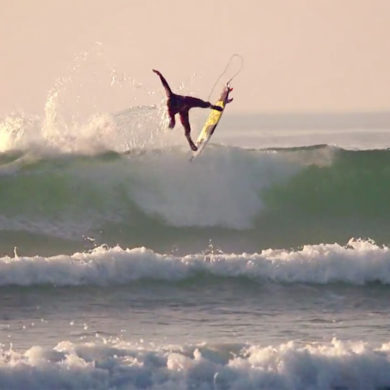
<point x="335" y="365"/>
<point x="358" y="262"/>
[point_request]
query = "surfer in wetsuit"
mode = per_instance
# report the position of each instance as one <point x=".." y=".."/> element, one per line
<point x="178" y="104"/>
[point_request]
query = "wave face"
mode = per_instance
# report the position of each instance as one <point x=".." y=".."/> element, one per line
<point x="240" y="199"/>
<point x="357" y="263"/>
<point x="337" y="365"/>
<point x="122" y="179"/>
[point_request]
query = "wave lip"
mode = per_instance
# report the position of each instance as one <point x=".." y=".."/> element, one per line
<point x="335" y="365"/>
<point x="358" y="262"/>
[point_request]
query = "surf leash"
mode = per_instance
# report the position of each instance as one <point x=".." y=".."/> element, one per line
<point x="229" y="62"/>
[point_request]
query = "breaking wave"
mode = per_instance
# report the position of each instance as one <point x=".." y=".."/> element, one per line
<point x="358" y="263"/>
<point x="125" y="179"/>
<point x="274" y="198"/>
<point x="120" y="365"/>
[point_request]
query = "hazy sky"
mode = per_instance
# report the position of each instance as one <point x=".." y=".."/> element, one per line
<point x="300" y="55"/>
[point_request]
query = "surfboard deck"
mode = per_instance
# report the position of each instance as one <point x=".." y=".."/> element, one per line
<point x="210" y="124"/>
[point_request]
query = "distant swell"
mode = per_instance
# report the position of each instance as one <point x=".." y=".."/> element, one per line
<point x="357" y="263"/>
<point x="336" y="365"/>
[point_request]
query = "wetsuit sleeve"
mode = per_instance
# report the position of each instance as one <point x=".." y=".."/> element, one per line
<point x="164" y="82"/>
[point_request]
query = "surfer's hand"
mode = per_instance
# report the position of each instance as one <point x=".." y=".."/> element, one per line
<point x="216" y="108"/>
<point x="156" y="71"/>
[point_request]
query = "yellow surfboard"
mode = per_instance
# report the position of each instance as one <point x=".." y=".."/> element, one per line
<point x="211" y="122"/>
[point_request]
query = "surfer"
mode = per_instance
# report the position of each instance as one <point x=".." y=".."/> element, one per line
<point x="179" y="104"/>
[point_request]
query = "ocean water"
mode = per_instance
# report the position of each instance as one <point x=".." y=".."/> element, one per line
<point x="263" y="264"/>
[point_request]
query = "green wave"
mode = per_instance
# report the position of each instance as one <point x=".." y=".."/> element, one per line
<point x="237" y="199"/>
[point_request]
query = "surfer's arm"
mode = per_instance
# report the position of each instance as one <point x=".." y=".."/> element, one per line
<point x="166" y="86"/>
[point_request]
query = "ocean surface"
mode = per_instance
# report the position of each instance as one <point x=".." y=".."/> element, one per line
<point x="263" y="264"/>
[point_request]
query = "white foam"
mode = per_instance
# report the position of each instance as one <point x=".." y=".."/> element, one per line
<point x="18" y="132"/>
<point x="120" y="365"/>
<point x="358" y="262"/>
<point x="221" y="189"/>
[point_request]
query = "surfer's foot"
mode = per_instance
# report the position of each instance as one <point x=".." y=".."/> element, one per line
<point x="216" y="108"/>
<point x="193" y="146"/>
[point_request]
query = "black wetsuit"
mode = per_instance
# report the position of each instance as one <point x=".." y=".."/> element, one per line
<point x="178" y="104"/>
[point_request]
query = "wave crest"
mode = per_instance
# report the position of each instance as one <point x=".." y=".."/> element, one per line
<point x="358" y="262"/>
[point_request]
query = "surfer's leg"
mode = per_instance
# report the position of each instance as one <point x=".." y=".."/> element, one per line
<point x="187" y="129"/>
<point x="218" y="108"/>
<point x="191" y="102"/>
<point x="164" y="83"/>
